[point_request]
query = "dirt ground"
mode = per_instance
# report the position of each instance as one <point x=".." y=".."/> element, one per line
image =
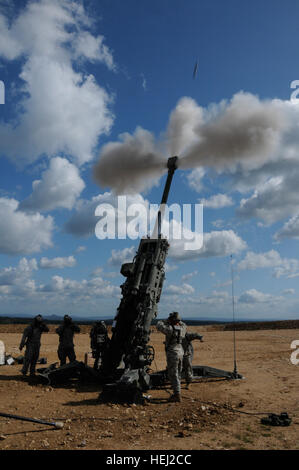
<point x="212" y="414"/>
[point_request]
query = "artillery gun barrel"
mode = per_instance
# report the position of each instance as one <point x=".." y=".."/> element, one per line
<point x="172" y="166"/>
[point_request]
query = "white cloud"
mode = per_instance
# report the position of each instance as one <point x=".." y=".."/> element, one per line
<point x="217" y="201"/>
<point x="289" y="230"/>
<point x="195" y="179"/>
<point x="87" y="46"/>
<point x="216" y="298"/>
<point x="59" y="186"/>
<point x="59" y="263"/>
<point x="62" y="109"/>
<point x="273" y="200"/>
<point x="260" y="260"/>
<point x="22" y="233"/>
<point x="12" y="276"/>
<point x="253" y="296"/>
<point x="96" y="287"/>
<point x="187" y="276"/>
<point x="83" y="222"/>
<point x="170" y="267"/>
<point x="288" y="267"/>
<point x="215" y="243"/>
<point x="144" y="82"/>
<point x="180" y="290"/>
<point x="218" y="223"/>
<point x="80" y="249"/>
<point x="288" y="291"/>
<point x="118" y="257"/>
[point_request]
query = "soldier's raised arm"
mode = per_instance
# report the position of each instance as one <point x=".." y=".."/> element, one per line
<point x="26" y="334"/>
<point x="162" y="326"/>
<point x="59" y="330"/>
<point x="76" y="328"/>
<point x="45" y="328"/>
<point x="193" y="336"/>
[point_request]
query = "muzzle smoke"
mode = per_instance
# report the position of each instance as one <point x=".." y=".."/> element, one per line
<point x="245" y="131"/>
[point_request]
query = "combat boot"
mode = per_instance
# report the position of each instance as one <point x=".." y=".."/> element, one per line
<point x="176" y="397"/>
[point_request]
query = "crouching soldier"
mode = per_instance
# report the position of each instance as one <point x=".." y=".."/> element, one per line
<point x="188" y="355"/>
<point x="174" y="330"/>
<point x="99" y="342"/>
<point x="66" y="333"/>
<point x="32" y="340"/>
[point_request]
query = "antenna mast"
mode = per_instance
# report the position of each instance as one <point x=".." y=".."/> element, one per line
<point x="234" y="324"/>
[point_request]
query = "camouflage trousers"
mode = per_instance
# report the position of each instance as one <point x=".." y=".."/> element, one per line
<point x="174" y="369"/>
<point x="65" y="352"/>
<point x="187" y="371"/>
<point x="31" y="358"/>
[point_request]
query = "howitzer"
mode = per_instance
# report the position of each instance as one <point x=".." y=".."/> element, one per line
<point x="141" y="294"/>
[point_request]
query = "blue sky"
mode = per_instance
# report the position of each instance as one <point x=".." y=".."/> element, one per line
<point x="78" y="75"/>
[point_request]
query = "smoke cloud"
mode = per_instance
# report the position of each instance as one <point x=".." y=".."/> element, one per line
<point x="131" y="165"/>
<point x="244" y="131"/>
<point x="247" y="132"/>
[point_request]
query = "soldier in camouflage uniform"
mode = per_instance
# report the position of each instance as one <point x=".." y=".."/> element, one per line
<point x="99" y="341"/>
<point x="174" y="330"/>
<point x="66" y="333"/>
<point x="188" y="355"/>
<point x="31" y="339"/>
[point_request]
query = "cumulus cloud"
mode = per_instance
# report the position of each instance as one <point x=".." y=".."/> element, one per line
<point x="253" y="296"/>
<point x="13" y="276"/>
<point x="273" y="184"/>
<point x="170" y="267"/>
<point x="288" y="291"/>
<point x="59" y="186"/>
<point x="80" y="249"/>
<point x="59" y="263"/>
<point x="274" y="200"/>
<point x="96" y="287"/>
<point x="187" y="276"/>
<point x="260" y="260"/>
<point x="288" y="267"/>
<point x="214" y="299"/>
<point x="179" y="290"/>
<point x="61" y="109"/>
<point x="83" y="222"/>
<point x="118" y="257"/>
<point x="215" y="243"/>
<point x="22" y="233"/>
<point x="289" y="230"/>
<point x="217" y="201"/>
<point x="195" y="178"/>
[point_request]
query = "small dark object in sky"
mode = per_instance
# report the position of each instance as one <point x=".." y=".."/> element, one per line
<point x="195" y="69"/>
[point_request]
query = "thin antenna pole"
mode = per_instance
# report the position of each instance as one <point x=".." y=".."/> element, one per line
<point x="234" y="324"/>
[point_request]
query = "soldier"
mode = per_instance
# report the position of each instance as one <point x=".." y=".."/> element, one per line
<point x="66" y="333"/>
<point x="99" y="341"/>
<point x="31" y="338"/>
<point x="188" y="355"/>
<point x="174" y="330"/>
